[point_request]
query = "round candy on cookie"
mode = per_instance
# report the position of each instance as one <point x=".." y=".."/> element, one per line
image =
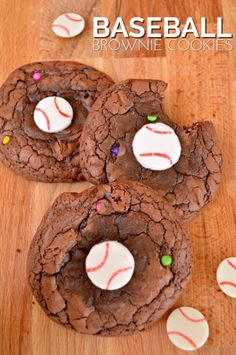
<point x="156" y="146"/>
<point x="109" y="265"/>
<point x="53" y="114"/>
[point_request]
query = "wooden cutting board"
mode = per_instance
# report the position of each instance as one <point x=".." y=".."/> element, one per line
<point x="202" y="86"/>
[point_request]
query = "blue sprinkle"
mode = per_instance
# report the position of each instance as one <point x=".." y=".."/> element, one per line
<point x="115" y="150"/>
<point x="107" y="193"/>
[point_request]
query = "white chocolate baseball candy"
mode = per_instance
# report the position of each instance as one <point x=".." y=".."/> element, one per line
<point x="68" y="25"/>
<point x="109" y="265"/>
<point x="53" y="114"/>
<point x="156" y="146"/>
<point x="187" y="328"/>
<point x="226" y="276"/>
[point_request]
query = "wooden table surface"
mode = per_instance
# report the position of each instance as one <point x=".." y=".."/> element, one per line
<point x="202" y="85"/>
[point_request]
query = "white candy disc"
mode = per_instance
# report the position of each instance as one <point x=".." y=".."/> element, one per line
<point x="156" y="146"/>
<point x="109" y="265"/>
<point x="68" y="25"/>
<point x="187" y="328"/>
<point x="53" y="114"/>
<point x="226" y="276"/>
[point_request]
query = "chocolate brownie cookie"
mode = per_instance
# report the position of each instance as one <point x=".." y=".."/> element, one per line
<point x="40" y="144"/>
<point x="132" y="216"/>
<point x="128" y="118"/>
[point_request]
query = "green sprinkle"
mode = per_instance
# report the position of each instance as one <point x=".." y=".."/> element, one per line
<point x="152" y="118"/>
<point x="107" y="193"/>
<point x="166" y="260"/>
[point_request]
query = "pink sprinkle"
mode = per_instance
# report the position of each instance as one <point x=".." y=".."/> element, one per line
<point x="36" y="75"/>
<point x="98" y="206"/>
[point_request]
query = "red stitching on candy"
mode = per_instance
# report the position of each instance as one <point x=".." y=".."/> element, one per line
<point x="45" y="115"/>
<point x="155" y="154"/>
<point x="231" y="264"/>
<point x="63" y="27"/>
<point x="229" y="283"/>
<point x="114" y="274"/>
<point x="97" y="267"/>
<point x="189" y="318"/>
<point x="190" y="341"/>
<point x="73" y="19"/>
<point x="159" y="132"/>
<point x="58" y="109"/>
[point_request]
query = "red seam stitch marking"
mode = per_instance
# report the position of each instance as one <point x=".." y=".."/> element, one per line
<point x="159" y="132"/>
<point x="229" y="283"/>
<point x="45" y="115"/>
<point x="183" y="336"/>
<point x="155" y="154"/>
<point x="114" y="274"/>
<point x="64" y="28"/>
<point x="95" y="268"/>
<point x="231" y="264"/>
<point x="58" y="108"/>
<point x="189" y="318"/>
<point x="73" y="19"/>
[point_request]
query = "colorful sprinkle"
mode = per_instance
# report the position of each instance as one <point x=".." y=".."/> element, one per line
<point x="115" y="150"/>
<point x="166" y="260"/>
<point x="6" y="140"/>
<point x="99" y="206"/>
<point x="152" y="118"/>
<point x="36" y="75"/>
<point x="107" y="193"/>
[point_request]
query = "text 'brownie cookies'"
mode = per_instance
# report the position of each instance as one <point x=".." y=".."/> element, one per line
<point x="43" y="107"/>
<point x="110" y="260"/>
<point x="128" y="137"/>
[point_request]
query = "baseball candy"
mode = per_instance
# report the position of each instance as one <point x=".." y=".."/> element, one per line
<point x="68" y="25"/>
<point x="187" y="328"/>
<point x="156" y="146"/>
<point x="53" y="114"/>
<point x="226" y="276"/>
<point x="109" y="265"/>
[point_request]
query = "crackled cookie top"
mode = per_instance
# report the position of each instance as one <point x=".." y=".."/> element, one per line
<point x="185" y="166"/>
<point x="143" y="224"/>
<point x="43" y="107"/>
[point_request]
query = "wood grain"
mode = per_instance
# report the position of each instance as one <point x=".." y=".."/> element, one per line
<point x="202" y="85"/>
